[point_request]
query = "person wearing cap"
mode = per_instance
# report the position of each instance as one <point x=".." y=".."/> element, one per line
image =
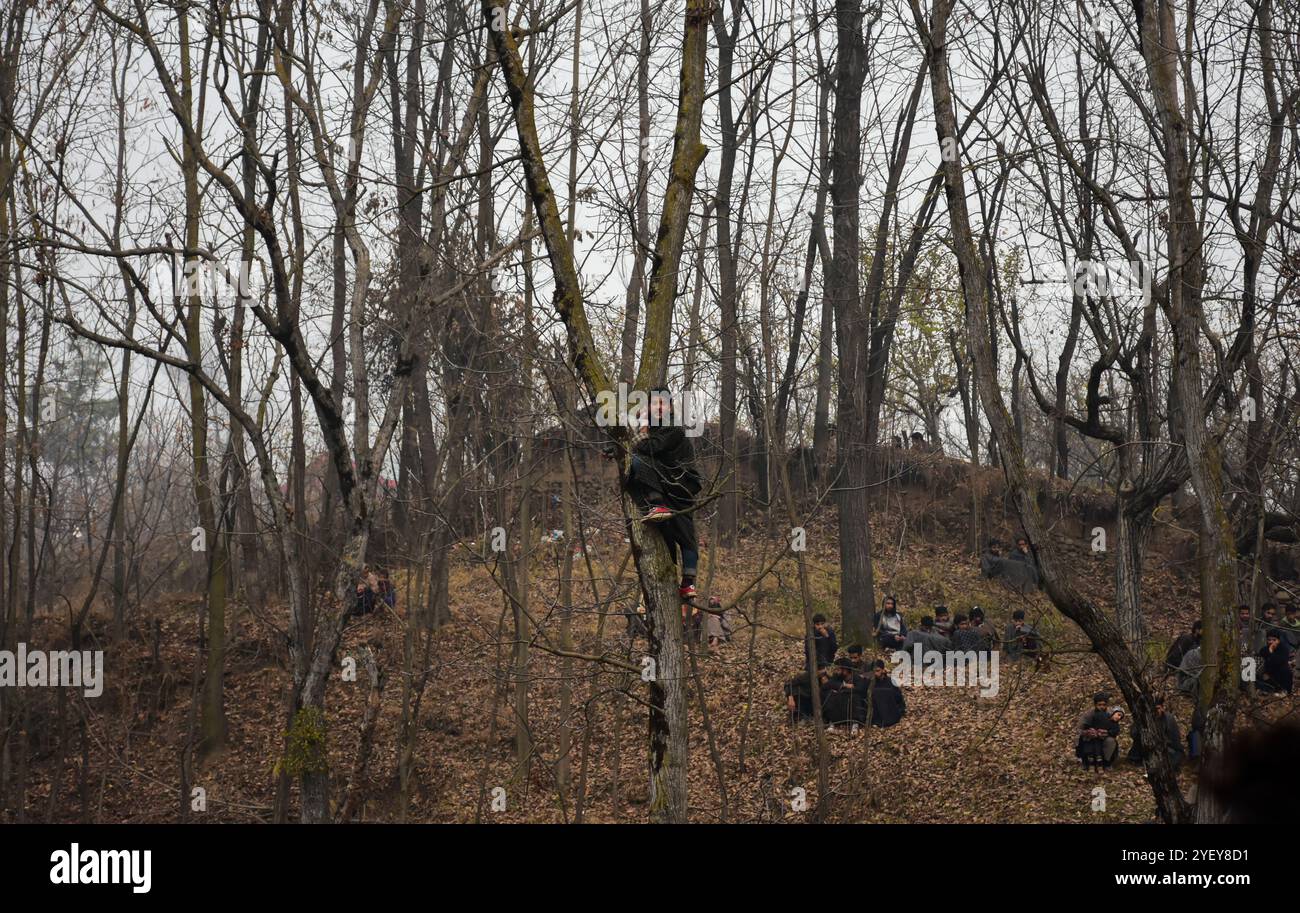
<point x="1275" y="675"/>
<point x="887" y="704"/>
<point x="1173" y="738"/>
<point x="1098" y="733"/>
<point x="846" y="695"/>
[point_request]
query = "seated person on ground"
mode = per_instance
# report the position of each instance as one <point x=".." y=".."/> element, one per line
<point x="799" y="695"/>
<point x="943" y="621"/>
<point x="824" y="643"/>
<point x="1178" y="649"/>
<point x="889" y="626"/>
<point x="387" y="592"/>
<point x="1189" y="670"/>
<point x="845" y="699"/>
<point x="887" y="704"/>
<point x="1290" y="627"/>
<point x="1099" y="733"/>
<point x="853" y="654"/>
<point x="1021" y="638"/>
<point x="988" y="634"/>
<point x="928" y="637"/>
<point x="719" y="623"/>
<point x="1022" y="553"/>
<point x="965" y="639"/>
<point x="1173" y="740"/>
<point x="1275" y="674"/>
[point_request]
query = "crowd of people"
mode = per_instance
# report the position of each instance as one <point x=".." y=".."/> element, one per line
<point x="856" y="691"/>
<point x="1273" y="643"/>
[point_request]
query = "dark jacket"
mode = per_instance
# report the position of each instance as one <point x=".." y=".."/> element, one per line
<point x="887" y="704"/>
<point x="1275" y="670"/>
<point x="1177" y="650"/>
<point x="800" y="688"/>
<point x="1173" y="743"/>
<point x="825" y="647"/>
<point x="845" y="699"/>
<point x="667" y="463"/>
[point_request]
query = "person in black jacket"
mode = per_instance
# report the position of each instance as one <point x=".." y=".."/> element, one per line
<point x="845" y="697"/>
<point x="1173" y="739"/>
<point x="1275" y="676"/>
<point x="664" y="482"/>
<point x="1099" y="733"/>
<point x="887" y="704"/>
<point x="824" y="644"/>
<point x="799" y="694"/>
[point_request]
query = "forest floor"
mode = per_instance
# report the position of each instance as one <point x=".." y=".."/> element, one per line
<point x="955" y="757"/>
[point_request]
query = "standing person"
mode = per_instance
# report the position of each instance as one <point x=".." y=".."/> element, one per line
<point x="664" y="482"/>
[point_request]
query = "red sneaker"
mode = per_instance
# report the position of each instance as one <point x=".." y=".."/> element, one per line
<point x="657" y="513"/>
<point x="687" y="591"/>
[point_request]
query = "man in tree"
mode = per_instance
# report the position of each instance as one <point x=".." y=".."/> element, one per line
<point x="824" y="644"/>
<point x="889" y="627"/>
<point x="1275" y="676"/>
<point x="887" y="704"/>
<point x="1099" y="733"/>
<point x="664" y="482"/>
<point x="1180" y="647"/>
<point x="1173" y="739"/>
